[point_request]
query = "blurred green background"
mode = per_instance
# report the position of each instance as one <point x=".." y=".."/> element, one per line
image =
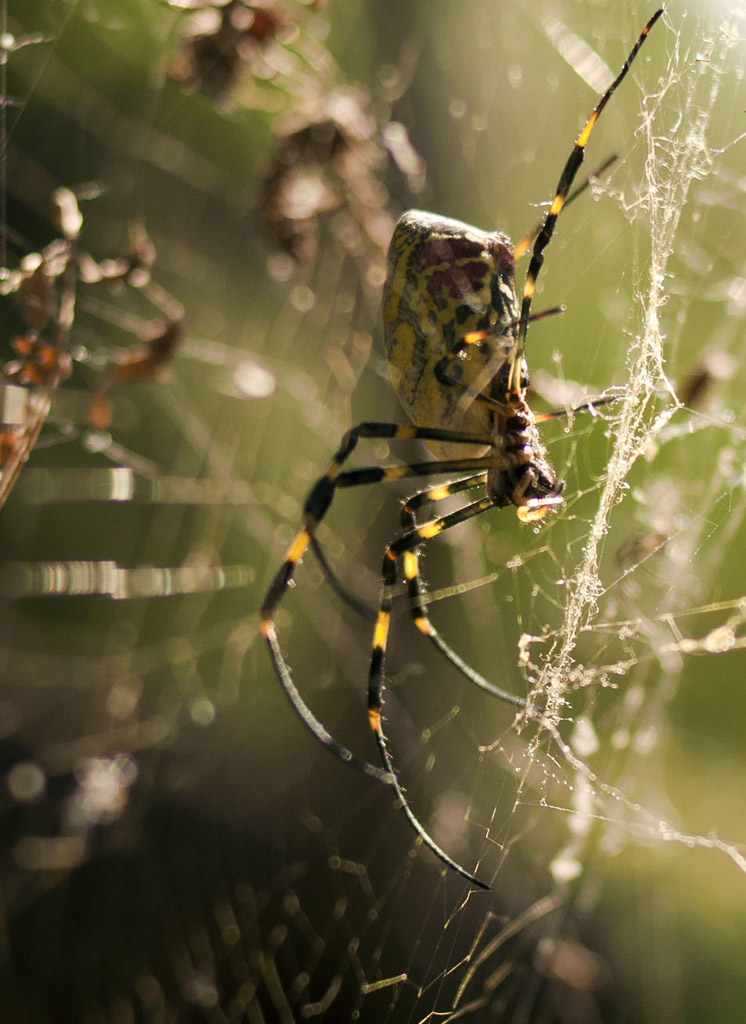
<point x="175" y="845"/>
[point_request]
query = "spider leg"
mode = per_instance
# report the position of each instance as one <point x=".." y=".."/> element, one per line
<point x="405" y="545"/>
<point x="475" y="392"/>
<point x="315" y="508"/>
<point x="416" y="592"/>
<point x="564" y="185"/>
<point x="350" y="599"/>
<point x="589" y="406"/>
<point x="522" y="247"/>
<point x="376" y="475"/>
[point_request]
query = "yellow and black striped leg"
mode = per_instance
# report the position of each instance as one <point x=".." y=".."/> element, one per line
<point x="522" y="247"/>
<point x="416" y="594"/>
<point x="589" y="406"/>
<point x="445" y="369"/>
<point x="374" y="716"/>
<point x="564" y="185"/>
<point x="350" y="599"/>
<point x="315" y="508"/>
<point x="321" y="494"/>
<point x="404" y="546"/>
<point x="267" y="627"/>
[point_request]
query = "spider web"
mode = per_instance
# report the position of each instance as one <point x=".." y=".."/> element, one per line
<point x="174" y="844"/>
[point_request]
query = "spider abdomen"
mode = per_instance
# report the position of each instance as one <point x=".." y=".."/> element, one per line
<point x="446" y="280"/>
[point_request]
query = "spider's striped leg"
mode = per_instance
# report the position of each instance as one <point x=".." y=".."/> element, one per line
<point x="350" y="599"/>
<point x="405" y="545"/>
<point x="564" y="185"/>
<point x="416" y="592"/>
<point x="522" y="247"/>
<point x="315" y="508"/>
<point x="476" y="390"/>
<point x="589" y="406"/>
<point x="380" y="474"/>
<point x="282" y="669"/>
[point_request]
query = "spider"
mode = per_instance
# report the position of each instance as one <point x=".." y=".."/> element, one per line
<point x="456" y="342"/>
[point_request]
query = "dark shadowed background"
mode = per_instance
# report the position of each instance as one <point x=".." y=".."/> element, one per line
<point x="175" y="846"/>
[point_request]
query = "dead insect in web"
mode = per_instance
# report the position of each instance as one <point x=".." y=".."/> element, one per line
<point x="45" y="284"/>
<point x="456" y="342"/>
<point x="145" y="362"/>
<point x="158" y="338"/>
